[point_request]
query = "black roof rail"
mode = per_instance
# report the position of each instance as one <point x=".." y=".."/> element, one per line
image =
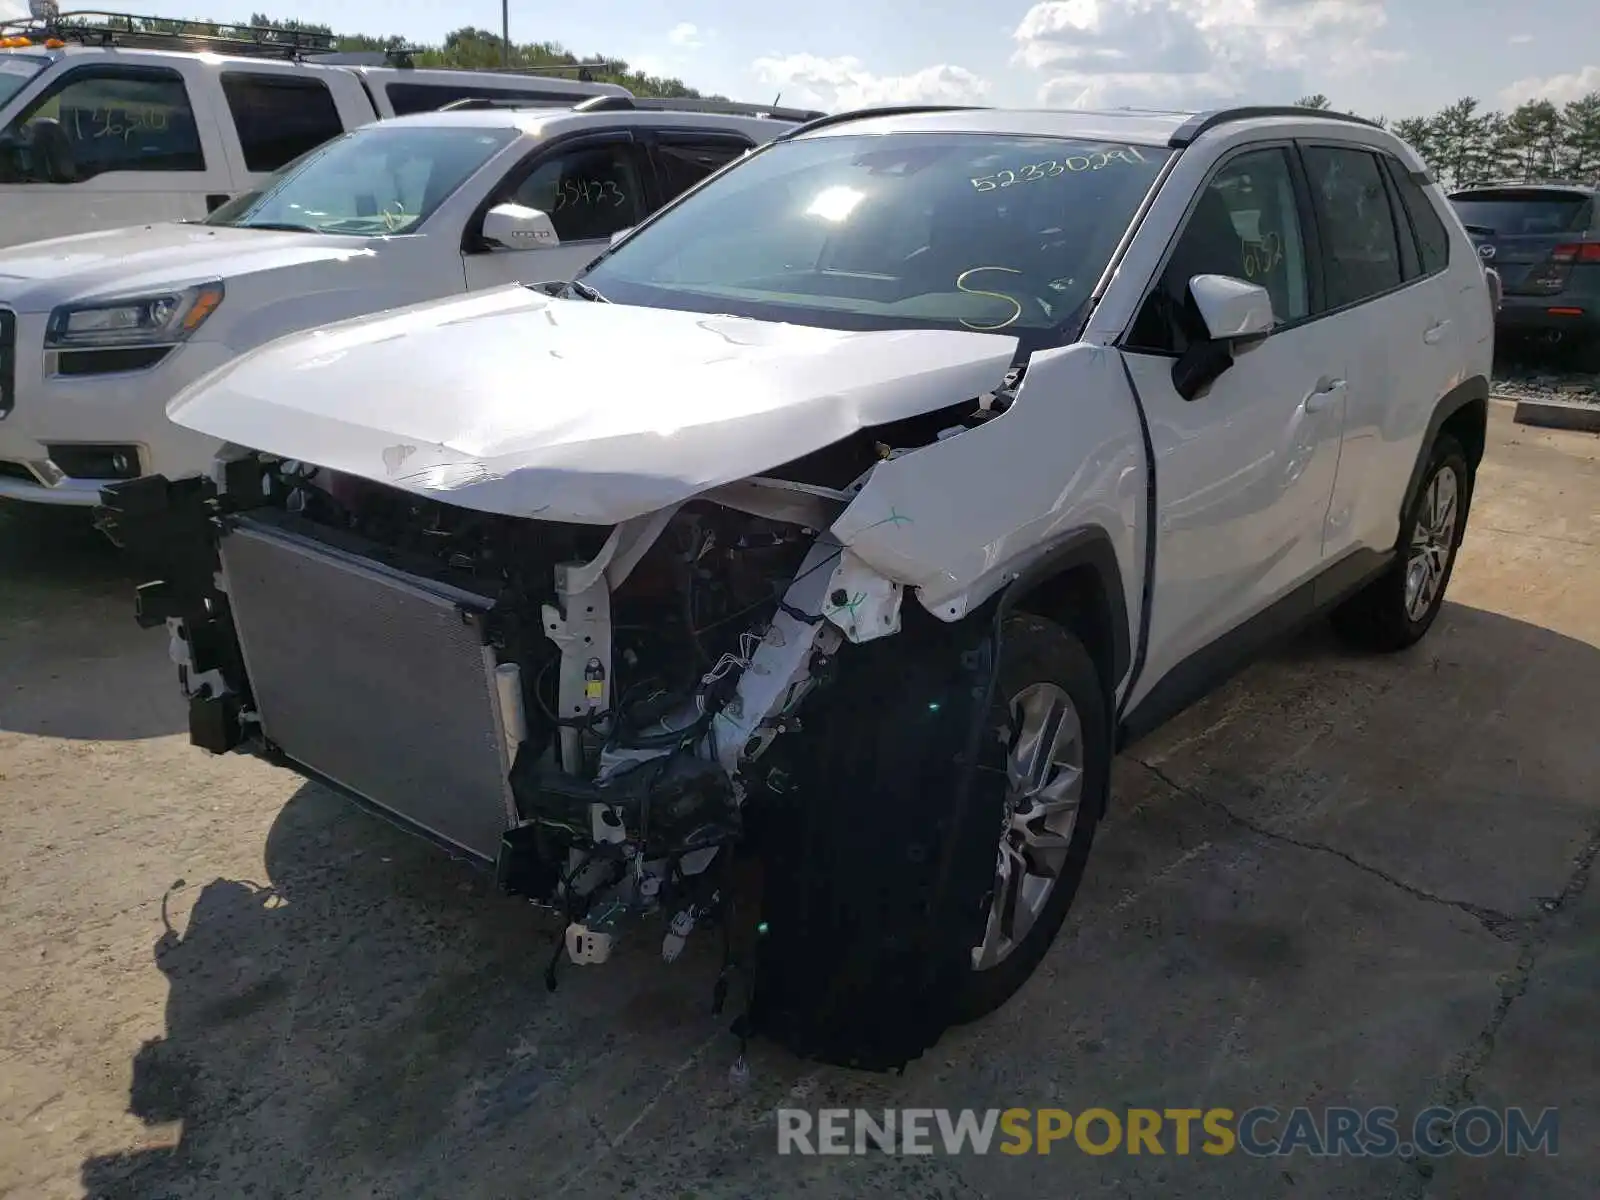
<point x="1191" y="129"/>
<point x="882" y="110"/>
<point x="476" y="103"/>
<point x="1557" y="184"/>
<point x="694" y="105"/>
<point x="584" y="70"/>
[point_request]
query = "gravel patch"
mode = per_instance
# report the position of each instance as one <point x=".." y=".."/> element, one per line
<point x="1543" y="378"/>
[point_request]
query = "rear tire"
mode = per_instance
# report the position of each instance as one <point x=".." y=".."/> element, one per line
<point x="1398" y="608"/>
<point x="878" y="884"/>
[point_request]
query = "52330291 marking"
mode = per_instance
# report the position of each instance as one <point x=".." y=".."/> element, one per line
<point x="1050" y="168"/>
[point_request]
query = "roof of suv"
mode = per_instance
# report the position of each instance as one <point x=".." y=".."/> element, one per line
<point x="547" y="120"/>
<point x="1581" y="190"/>
<point x="1139" y="126"/>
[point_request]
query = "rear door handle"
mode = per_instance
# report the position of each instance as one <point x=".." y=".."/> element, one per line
<point x="1433" y="336"/>
<point x="1328" y="392"/>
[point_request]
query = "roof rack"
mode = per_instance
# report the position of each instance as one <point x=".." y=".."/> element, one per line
<point x="585" y="70"/>
<point x="689" y="104"/>
<point x="882" y="110"/>
<point x="1191" y="129"/>
<point x="130" y="30"/>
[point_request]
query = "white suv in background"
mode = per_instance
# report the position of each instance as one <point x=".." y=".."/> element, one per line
<point x="99" y="331"/>
<point x="803" y="565"/>
<point x="109" y="125"/>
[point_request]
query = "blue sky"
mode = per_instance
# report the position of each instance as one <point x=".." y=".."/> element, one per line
<point x="1390" y="57"/>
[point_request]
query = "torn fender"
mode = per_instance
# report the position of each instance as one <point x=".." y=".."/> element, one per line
<point x="959" y="519"/>
<point x="514" y="402"/>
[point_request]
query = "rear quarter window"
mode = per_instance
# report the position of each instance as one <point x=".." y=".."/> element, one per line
<point x="1433" y="240"/>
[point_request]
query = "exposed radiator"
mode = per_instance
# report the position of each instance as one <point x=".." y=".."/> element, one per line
<point x="374" y="679"/>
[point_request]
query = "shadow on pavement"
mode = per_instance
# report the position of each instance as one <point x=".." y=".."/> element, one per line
<point x="73" y="663"/>
<point x="372" y="1019"/>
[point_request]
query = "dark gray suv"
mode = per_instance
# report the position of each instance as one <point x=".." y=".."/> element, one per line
<point x="1544" y="242"/>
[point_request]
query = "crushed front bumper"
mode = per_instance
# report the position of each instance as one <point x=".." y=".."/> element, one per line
<point x="380" y="683"/>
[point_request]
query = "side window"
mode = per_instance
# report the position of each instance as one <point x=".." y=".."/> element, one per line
<point x="103" y="119"/>
<point x="1361" y="252"/>
<point x="1433" y="241"/>
<point x="279" y="117"/>
<point x="681" y="165"/>
<point x="1246" y="223"/>
<point x="589" y="192"/>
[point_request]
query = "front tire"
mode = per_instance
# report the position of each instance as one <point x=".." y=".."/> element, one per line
<point x="1398" y="608"/>
<point x="883" y="896"/>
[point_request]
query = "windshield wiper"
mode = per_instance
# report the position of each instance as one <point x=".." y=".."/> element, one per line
<point x="285" y="226"/>
<point x="587" y="292"/>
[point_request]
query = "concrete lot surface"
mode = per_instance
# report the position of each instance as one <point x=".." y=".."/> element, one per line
<point x="1341" y="880"/>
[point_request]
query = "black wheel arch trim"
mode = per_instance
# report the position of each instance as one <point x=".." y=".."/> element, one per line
<point x="1469" y="391"/>
<point x="1089" y="547"/>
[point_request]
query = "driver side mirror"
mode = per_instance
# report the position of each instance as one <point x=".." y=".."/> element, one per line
<point x="1235" y="315"/>
<point x="517" y="227"/>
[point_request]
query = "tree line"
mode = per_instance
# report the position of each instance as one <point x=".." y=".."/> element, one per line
<point x="1536" y="142"/>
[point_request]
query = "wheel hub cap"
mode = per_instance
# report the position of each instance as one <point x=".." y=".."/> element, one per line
<point x="1433" y="539"/>
<point x="1044" y="777"/>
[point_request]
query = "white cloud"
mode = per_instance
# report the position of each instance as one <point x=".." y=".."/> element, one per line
<point x="686" y="36"/>
<point x="11" y="10"/>
<point x="1192" y="53"/>
<point x="1559" y="89"/>
<point x="845" y="83"/>
<point x="1520" y="39"/>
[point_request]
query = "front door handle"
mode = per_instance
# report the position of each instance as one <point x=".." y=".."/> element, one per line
<point x="1435" y="334"/>
<point x="1328" y="392"/>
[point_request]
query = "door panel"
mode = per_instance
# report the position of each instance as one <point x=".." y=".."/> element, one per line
<point x="1245" y="471"/>
<point x="1398" y="310"/>
<point x="589" y="189"/>
<point x="112" y="145"/>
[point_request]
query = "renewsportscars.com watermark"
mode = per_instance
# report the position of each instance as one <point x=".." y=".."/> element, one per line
<point x="1260" y="1132"/>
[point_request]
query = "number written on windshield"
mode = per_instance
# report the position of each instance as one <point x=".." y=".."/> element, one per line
<point x="1052" y="167"/>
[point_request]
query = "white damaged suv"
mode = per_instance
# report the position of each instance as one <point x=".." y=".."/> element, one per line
<point x="800" y="567"/>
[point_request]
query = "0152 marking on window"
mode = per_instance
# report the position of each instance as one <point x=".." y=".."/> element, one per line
<point x="1262" y="256"/>
<point x="1049" y="168"/>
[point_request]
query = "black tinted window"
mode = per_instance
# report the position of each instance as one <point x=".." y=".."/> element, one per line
<point x="589" y="192"/>
<point x="1513" y="211"/>
<point x="1433" y="241"/>
<point x="684" y="164"/>
<point x="279" y="117"/>
<point x="428" y="97"/>
<point x="1360" y="250"/>
<point x="1246" y="224"/>
<point x="103" y="119"/>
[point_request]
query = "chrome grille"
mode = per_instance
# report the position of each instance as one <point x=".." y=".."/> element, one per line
<point x="374" y="679"/>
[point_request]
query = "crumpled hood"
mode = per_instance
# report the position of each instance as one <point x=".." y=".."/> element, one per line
<point x="143" y="258"/>
<point x="513" y="402"/>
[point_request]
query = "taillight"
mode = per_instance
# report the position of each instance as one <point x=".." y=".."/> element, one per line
<point x="1576" y="252"/>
